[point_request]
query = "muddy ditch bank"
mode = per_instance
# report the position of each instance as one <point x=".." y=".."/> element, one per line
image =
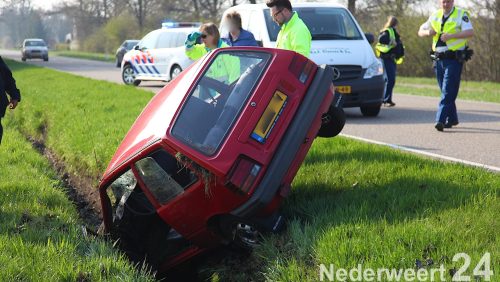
<point x="78" y="188"/>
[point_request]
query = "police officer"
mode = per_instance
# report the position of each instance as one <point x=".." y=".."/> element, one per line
<point x="294" y="34"/>
<point x="450" y="28"/>
<point x="7" y="85"/>
<point x="391" y="50"/>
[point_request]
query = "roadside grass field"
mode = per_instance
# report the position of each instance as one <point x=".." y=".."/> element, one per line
<point x="85" y="55"/>
<point x="469" y="90"/>
<point x="40" y="235"/>
<point x="352" y="203"/>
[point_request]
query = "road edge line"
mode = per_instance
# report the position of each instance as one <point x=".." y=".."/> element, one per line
<point x="420" y="152"/>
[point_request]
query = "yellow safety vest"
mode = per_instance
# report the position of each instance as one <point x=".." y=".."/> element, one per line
<point x="385" y="48"/>
<point x="453" y="25"/>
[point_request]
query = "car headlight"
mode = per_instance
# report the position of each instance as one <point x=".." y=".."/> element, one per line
<point x="377" y="68"/>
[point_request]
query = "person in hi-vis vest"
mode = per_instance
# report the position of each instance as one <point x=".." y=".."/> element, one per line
<point x="390" y="49"/>
<point x="450" y="28"/>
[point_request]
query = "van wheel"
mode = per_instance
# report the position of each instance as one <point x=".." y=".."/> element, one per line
<point x="371" y="111"/>
<point x="176" y="70"/>
<point x="332" y="122"/>
<point x="128" y="76"/>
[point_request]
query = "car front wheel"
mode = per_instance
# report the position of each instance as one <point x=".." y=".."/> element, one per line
<point x="371" y="111"/>
<point x="128" y="76"/>
<point x="176" y="70"/>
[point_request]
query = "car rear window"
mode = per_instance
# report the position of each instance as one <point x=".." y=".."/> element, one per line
<point x="324" y="23"/>
<point x="35" y="43"/>
<point x="218" y="99"/>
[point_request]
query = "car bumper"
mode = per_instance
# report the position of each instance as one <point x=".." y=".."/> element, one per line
<point x="36" y="55"/>
<point x="290" y="145"/>
<point x="363" y="91"/>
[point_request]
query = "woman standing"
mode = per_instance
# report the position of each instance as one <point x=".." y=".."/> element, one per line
<point x="210" y="39"/>
<point x="390" y="49"/>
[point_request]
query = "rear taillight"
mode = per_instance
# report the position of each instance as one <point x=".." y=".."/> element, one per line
<point x="243" y="175"/>
<point x="301" y="67"/>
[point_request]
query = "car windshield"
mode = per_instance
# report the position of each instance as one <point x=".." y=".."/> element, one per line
<point x="130" y="44"/>
<point x="218" y="99"/>
<point x="34" y="43"/>
<point x="324" y="24"/>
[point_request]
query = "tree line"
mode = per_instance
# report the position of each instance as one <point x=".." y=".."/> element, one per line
<point x="101" y="25"/>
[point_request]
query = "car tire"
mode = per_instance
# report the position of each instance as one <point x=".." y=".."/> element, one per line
<point x="128" y="76"/>
<point x="371" y="111"/>
<point x="240" y="233"/>
<point x="45" y="59"/>
<point x="23" y="59"/>
<point x="175" y="71"/>
<point x="332" y="122"/>
<point x="118" y="63"/>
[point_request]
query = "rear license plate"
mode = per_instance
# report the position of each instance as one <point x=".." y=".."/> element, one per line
<point x="343" y="89"/>
<point x="270" y="117"/>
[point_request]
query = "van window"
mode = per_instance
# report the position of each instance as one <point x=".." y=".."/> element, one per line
<point x="324" y="23"/>
<point x="218" y="99"/>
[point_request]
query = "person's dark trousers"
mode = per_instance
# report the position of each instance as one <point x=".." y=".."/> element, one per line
<point x="390" y="69"/>
<point x="448" y="72"/>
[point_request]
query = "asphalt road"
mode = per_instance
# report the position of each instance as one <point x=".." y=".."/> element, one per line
<point x="408" y="126"/>
<point x="88" y="68"/>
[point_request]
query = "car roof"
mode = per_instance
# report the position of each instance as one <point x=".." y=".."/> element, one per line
<point x="34" y="39"/>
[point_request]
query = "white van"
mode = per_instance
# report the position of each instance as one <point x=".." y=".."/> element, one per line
<point x="337" y="40"/>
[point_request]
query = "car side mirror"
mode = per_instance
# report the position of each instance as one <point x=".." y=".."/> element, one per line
<point x="260" y="43"/>
<point x="370" y="37"/>
<point x="136" y="47"/>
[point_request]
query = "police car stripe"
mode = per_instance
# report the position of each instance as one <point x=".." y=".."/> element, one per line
<point x="156" y="70"/>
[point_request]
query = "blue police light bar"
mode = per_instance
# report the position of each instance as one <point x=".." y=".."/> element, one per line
<point x="172" y="24"/>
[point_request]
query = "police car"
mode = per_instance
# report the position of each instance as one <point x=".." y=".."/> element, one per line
<point x="159" y="56"/>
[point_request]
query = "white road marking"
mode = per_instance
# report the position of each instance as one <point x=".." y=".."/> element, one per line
<point x="407" y="149"/>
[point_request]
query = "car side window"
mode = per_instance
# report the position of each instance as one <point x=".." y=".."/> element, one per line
<point x="181" y="37"/>
<point x="164" y="176"/>
<point x="149" y="41"/>
<point x="165" y="40"/>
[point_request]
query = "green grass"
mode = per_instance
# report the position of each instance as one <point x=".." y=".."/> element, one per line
<point x="40" y="235"/>
<point x="469" y="90"/>
<point x="85" y="55"/>
<point x="82" y="120"/>
<point x="352" y="202"/>
<point x="358" y="203"/>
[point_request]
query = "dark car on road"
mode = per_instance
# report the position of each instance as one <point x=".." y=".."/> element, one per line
<point x="126" y="46"/>
<point x="34" y="48"/>
<point x="214" y="153"/>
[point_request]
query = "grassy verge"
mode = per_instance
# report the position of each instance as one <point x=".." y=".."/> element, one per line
<point x="355" y="203"/>
<point x="469" y="90"/>
<point x="80" y="119"/>
<point x="85" y="55"/>
<point x="352" y="202"/>
<point x="40" y="236"/>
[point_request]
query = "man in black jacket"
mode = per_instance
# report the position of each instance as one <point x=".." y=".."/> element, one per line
<point x="7" y="85"/>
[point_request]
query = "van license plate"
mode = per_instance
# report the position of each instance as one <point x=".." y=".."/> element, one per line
<point x="343" y="89"/>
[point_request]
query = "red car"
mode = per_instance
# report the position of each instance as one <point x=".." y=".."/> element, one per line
<point x="212" y="156"/>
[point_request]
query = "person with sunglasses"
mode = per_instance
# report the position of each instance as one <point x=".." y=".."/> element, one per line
<point x="294" y="34"/>
<point x="210" y="40"/>
<point x="227" y="67"/>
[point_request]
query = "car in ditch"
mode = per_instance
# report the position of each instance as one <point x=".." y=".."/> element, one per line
<point x="214" y="153"/>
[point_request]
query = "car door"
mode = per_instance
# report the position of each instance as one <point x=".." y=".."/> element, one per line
<point x="162" y="54"/>
<point x="142" y="60"/>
